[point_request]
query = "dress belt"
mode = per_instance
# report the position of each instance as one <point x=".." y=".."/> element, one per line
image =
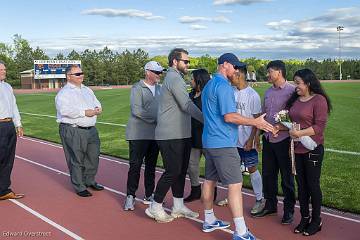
<point x="6" y="120"/>
<point x="76" y="126"/>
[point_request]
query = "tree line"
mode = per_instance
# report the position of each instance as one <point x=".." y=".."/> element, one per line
<point x="107" y="67"/>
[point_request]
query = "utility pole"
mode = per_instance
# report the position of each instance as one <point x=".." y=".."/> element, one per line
<point x="339" y="29"/>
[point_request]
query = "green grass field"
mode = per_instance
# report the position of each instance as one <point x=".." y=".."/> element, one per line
<point x="340" y="178"/>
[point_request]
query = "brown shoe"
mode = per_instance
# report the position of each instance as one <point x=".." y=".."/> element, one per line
<point x="12" y="195"/>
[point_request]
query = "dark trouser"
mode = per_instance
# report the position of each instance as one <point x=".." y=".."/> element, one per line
<point x="275" y="157"/>
<point x="82" y="150"/>
<point x="139" y="151"/>
<point x="7" y="155"/>
<point x="308" y="169"/>
<point x="175" y="154"/>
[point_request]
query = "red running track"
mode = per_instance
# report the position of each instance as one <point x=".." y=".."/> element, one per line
<point x="51" y="210"/>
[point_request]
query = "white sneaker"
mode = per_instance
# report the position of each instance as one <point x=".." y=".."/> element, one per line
<point x="129" y="203"/>
<point x="258" y="207"/>
<point x="148" y="200"/>
<point x="159" y="215"/>
<point x="183" y="212"/>
<point x="223" y="203"/>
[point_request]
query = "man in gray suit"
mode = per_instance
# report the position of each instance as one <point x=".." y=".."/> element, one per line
<point x="173" y="135"/>
<point x="140" y="132"/>
<point x="77" y="109"/>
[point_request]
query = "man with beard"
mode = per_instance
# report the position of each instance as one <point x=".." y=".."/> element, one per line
<point x="220" y="136"/>
<point x="173" y="135"/>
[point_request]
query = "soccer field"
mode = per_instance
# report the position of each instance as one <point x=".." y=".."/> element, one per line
<point x="340" y="179"/>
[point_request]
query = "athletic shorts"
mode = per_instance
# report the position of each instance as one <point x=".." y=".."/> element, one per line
<point x="222" y="164"/>
<point x="249" y="158"/>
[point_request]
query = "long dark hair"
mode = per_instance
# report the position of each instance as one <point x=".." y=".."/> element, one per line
<point x="311" y="80"/>
<point x="201" y="77"/>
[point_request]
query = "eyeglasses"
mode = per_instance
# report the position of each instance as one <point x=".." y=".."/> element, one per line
<point x="156" y="72"/>
<point x="185" y="61"/>
<point x="77" y="74"/>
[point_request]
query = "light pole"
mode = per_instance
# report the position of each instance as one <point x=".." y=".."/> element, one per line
<point x="339" y="29"/>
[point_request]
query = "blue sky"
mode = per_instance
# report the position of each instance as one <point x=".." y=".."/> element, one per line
<point x="265" y="29"/>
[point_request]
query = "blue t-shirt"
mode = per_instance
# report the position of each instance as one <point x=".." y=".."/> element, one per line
<point x="217" y="100"/>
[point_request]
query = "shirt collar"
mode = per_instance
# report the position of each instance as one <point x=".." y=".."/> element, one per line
<point x="144" y="84"/>
<point x="281" y="86"/>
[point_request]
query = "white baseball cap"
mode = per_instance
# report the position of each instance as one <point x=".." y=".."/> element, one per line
<point x="154" y="66"/>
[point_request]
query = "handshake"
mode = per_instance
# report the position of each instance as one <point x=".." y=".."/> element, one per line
<point x="93" y="112"/>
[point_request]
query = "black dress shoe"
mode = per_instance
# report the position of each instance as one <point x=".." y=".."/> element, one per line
<point x="96" y="187"/>
<point x="84" y="193"/>
<point x="287" y="218"/>
<point x="264" y="212"/>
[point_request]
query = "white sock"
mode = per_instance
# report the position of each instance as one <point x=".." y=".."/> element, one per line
<point x="256" y="183"/>
<point x="156" y="206"/>
<point x="209" y="216"/>
<point x="178" y="203"/>
<point x="240" y="226"/>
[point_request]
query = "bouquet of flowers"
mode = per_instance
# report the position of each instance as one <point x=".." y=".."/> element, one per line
<point x="283" y="118"/>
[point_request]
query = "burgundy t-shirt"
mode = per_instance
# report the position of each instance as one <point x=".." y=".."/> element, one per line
<point x="312" y="113"/>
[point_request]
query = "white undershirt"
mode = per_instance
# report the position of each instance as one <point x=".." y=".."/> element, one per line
<point x="151" y="87"/>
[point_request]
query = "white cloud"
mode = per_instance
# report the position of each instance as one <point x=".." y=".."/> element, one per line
<point x="189" y="19"/>
<point x="224" y="11"/>
<point x="312" y="37"/>
<point x="241" y="2"/>
<point x="281" y="25"/>
<point x="198" y="43"/>
<point x="221" y="19"/>
<point x="320" y="32"/>
<point x="111" y="12"/>
<point x="197" y="19"/>
<point x="198" y="27"/>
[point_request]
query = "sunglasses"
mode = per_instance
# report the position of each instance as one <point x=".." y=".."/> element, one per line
<point x="77" y="74"/>
<point x="185" y="61"/>
<point x="156" y="72"/>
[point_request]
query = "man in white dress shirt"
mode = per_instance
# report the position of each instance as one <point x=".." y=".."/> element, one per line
<point x="9" y="124"/>
<point x="77" y="108"/>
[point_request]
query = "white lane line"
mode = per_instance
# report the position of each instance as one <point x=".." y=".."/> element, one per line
<point x="50" y="116"/>
<point x="342" y="152"/>
<point x="107" y="188"/>
<point x="47" y="220"/>
<point x="221" y="187"/>
<point x="124" y="125"/>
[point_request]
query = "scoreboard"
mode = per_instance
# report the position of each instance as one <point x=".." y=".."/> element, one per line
<point x="46" y="69"/>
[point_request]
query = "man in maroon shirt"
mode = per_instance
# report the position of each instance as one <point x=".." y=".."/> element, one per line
<point x="275" y="154"/>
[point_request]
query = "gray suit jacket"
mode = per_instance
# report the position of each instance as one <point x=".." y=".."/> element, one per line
<point x="143" y="114"/>
<point x="175" y="109"/>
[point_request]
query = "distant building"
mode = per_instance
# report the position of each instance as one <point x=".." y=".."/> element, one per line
<point x="46" y="74"/>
